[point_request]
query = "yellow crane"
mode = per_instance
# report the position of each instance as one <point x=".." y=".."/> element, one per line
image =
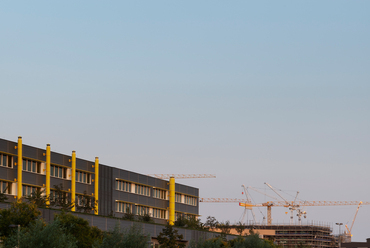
<point x="171" y="177"/>
<point x="301" y="204"/>
<point x="349" y="230"/>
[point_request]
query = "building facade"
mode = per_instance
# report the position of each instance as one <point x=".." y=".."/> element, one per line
<point x="25" y="169"/>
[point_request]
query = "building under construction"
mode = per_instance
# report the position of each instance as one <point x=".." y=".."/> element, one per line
<point x="284" y="235"/>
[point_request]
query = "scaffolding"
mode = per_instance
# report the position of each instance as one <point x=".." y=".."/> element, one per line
<point x="289" y="236"/>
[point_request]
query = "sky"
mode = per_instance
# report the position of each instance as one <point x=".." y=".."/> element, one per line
<point x="251" y="91"/>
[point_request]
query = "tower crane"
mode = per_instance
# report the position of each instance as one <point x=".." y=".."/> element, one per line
<point x="304" y="204"/>
<point x="349" y="231"/>
<point x="291" y="205"/>
<point x="249" y="201"/>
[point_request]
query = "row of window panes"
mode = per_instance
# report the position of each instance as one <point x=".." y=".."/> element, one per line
<point x="185" y="216"/>
<point x="6" y="160"/>
<point x="57" y="171"/>
<point x="142" y="210"/>
<point x="123" y="186"/>
<point x="5" y="187"/>
<point x="81" y="200"/>
<point x="54" y="196"/>
<point x="159" y="213"/>
<point x="142" y="190"/>
<point x="32" y="166"/>
<point x="83" y="177"/>
<point x="178" y="198"/>
<point x="123" y="207"/>
<point x="28" y="190"/>
<point x="190" y="200"/>
<point x="159" y="193"/>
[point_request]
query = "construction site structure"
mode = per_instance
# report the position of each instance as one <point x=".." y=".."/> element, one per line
<point x="308" y="235"/>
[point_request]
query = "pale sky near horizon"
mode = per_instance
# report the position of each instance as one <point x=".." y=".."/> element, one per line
<point x="252" y="91"/>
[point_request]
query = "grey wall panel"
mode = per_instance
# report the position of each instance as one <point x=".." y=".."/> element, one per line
<point x="33" y="153"/>
<point x="33" y="178"/>
<point x="57" y="158"/>
<point x="66" y="184"/>
<point x="82" y="187"/>
<point x="85" y="165"/>
<point x="7" y="173"/>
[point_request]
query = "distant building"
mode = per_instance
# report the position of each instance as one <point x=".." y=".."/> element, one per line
<point x="357" y="244"/>
<point x="25" y="169"/>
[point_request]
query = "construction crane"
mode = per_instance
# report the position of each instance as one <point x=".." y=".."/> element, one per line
<point x="182" y="176"/>
<point x="303" y="204"/>
<point x="249" y="201"/>
<point x="291" y="205"/>
<point x="349" y="231"/>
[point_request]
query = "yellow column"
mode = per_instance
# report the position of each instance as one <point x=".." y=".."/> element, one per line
<point x="73" y="186"/>
<point x="172" y="202"/>
<point x="20" y="168"/>
<point x="48" y="174"/>
<point x="96" y="185"/>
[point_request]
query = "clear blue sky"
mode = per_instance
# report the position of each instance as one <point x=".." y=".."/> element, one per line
<point x="254" y="92"/>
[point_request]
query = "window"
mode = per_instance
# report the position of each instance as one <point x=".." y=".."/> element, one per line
<point x="123" y="207"/>
<point x="159" y="193"/>
<point x="142" y="190"/>
<point x="159" y="213"/>
<point x="58" y="171"/>
<point x="142" y="210"/>
<point x="184" y="216"/>
<point x="6" y="187"/>
<point x="178" y="198"/>
<point x="28" y="190"/>
<point x="123" y="186"/>
<point x="83" y="177"/>
<point x="31" y="166"/>
<point x="190" y="200"/>
<point x="6" y="160"/>
<point x="61" y="196"/>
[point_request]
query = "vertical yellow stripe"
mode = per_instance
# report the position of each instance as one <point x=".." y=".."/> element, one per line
<point x="73" y="186"/>
<point x="172" y="202"/>
<point x="48" y="174"/>
<point x="96" y="185"/>
<point x="20" y="167"/>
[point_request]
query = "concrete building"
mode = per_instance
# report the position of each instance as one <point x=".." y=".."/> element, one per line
<point x="25" y="169"/>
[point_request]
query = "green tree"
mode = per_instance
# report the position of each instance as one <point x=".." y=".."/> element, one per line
<point x="40" y="235"/>
<point x="129" y="238"/>
<point x="169" y="238"/>
<point x="87" y="204"/>
<point x="146" y="218"/>
<point x="240" y="227"/>
<point x="38" y="198"/>
<point x="60" y="199"/>
<point x="211" y="222"/>
<point x="3" y="196"/>
<point x="20" y="213"/>
<point x="129" y="215"/>
<point x="79" y="228"/>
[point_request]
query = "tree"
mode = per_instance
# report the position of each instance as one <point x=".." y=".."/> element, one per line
<point x="211" y="222"/>
<point x="61" y="199"/>
<point x="169" y="238"/>
<point x="38" y="198"/>
<point x="40" y="235"/>
<point x="3" y="196"/>
<point x="129" y="238"/>
<point x="240" y="227"/>
<point x="20" y="213"/>
<point x="79" y="228"/>
<point x="146" y="218"/>
<point x="224" y="227"/>
<point x="129" y="215"/>
<point x="87" y="203"/>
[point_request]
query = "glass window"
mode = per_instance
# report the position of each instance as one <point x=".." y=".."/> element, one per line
<point x="33" y="166"/>
<point x="52" y="170"/>
<point x="60" y="172"/>
<point x="24" y="164"/>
